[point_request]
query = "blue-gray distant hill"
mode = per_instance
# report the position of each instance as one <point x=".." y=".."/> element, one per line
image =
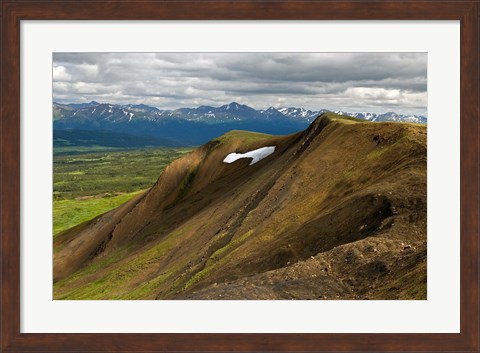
<point x="143" y="125"/>
<point x="92" y="138"/>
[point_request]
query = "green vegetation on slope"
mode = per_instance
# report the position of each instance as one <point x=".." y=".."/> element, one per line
<point x="243" y="136"/>
<point x="87" y="185"/>
<point x="69" y="213"/>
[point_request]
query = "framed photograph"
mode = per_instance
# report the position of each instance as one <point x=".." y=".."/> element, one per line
<point x="240" y="176"/>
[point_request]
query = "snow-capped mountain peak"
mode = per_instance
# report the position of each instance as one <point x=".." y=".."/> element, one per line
<point x="232" y="112"/>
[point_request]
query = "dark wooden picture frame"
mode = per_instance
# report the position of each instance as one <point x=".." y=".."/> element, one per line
<point x="13" y="12"/>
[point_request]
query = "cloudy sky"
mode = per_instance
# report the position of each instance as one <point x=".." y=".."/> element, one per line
<point x="374" y="82"/>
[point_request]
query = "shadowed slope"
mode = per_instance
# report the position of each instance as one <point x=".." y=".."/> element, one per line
<point x="344" y="195"/>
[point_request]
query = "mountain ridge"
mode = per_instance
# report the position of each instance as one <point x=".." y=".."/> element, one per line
<point x="338" y="211"/>
<point x="231" y="111"/>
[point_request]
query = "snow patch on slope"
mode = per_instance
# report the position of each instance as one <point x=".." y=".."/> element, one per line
<point x="256" y="155"/>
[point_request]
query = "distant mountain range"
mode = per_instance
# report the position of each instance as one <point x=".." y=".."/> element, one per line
<point x="195" y="125"/>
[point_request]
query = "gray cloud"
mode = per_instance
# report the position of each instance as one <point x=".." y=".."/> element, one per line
<point x="376" y="82"/>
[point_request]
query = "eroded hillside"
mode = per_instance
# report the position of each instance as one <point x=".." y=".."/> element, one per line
<point x="336" y="212"/>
